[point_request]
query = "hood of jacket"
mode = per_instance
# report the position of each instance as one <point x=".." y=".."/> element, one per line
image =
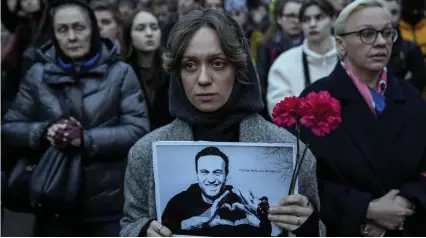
<point x="108" y="55"/>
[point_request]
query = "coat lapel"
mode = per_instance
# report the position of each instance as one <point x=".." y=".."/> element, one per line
<point x="371" y="135"/>
<point x="392" y="120"/>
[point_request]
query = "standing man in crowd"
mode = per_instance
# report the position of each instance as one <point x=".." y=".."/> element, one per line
<point x="160" y="9"/>
<point x="413" y="22"/>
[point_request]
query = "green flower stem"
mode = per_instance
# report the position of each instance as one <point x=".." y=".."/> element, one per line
<point x="299" y="161"/>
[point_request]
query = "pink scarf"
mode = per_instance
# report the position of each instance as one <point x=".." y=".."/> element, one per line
<point x="364" y="90"/>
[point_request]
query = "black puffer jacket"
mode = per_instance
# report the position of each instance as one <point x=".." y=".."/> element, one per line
<point x="408" y="57"/>
<point x="107" y="100"/>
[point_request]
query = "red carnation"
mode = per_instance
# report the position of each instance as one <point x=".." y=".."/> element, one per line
<point x="286" y="111"/>
<point x="320" y="112"/>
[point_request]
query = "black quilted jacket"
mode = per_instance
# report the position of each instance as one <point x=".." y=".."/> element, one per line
<point x="107" y="100"/>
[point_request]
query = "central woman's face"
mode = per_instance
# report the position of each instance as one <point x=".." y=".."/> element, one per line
<point x="207" y="75"/>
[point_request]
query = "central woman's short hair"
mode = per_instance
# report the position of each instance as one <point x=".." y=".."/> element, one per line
<point x="339" y="25"/>
<point x="230" y="35"/>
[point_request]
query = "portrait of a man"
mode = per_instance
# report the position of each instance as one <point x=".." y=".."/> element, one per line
<point x="212" y="207"/>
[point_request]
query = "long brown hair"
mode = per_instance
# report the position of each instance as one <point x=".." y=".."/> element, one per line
<point x="130" y="54"/>
<point x="274" y="28"/>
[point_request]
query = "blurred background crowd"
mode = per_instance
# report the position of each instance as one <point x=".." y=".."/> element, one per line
<point x="290" y="50"/>
<point x="272" y="27"/>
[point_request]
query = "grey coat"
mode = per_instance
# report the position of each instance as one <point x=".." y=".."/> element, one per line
<point x="139" y="190"/>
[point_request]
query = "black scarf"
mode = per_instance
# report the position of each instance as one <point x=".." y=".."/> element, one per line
<point x="223" y="124"/>
<point x="96" y="42"/>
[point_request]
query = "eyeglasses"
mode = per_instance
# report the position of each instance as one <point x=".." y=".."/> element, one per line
<point x="369" y="35"/>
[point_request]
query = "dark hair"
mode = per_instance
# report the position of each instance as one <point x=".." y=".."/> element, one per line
<point x="274" y="28"/>
<point x="203" y="3"/>
<point x="397" y="1"/>
<point x="129" y="54"/>
<point x="324" y="5"/>
<point x="215" y="152"/>
<point x="255" y="4"/>
<point x="226" y="29"/>
<point x="105" y="6"/>
<point x="34" y="35"/>
<point x="110" y="7"/>
<point x="158" y="3"/>
<point x="130" y="3"/>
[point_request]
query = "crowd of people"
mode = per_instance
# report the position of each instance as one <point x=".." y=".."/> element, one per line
<point x="106" y="78"/>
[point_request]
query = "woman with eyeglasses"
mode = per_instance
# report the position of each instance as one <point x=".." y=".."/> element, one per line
<point x="372" y="169"/>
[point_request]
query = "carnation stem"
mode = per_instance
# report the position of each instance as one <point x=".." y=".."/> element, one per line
<point x="296" y="171"/>
<point x="299" y="161"/>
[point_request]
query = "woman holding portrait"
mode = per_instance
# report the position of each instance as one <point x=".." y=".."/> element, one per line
<point x="371" y="170"/>
<point x="216" y="97"/>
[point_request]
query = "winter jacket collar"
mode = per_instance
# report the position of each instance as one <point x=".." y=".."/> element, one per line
<point x="58" y="71"/>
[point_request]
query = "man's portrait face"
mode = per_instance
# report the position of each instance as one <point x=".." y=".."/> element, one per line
<point x="211" y="175"/>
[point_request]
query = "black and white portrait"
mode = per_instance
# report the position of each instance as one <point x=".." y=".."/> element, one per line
<point x="211" y="189"/>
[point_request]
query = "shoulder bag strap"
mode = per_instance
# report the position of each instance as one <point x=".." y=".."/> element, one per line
<point x="306" y="70"/>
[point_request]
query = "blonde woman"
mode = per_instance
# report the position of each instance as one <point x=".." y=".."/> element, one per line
<point x="372" y="169"/>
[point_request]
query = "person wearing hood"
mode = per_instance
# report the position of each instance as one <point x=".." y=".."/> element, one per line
<point x="300" y="66"/>
<point x="80" y="96"/>
<point x="215" y="96"/>
<point x="413" y="22"/>
<point x="406" y="61"/>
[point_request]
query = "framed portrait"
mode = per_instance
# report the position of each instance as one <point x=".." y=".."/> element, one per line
<point x="220" y="189"/>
